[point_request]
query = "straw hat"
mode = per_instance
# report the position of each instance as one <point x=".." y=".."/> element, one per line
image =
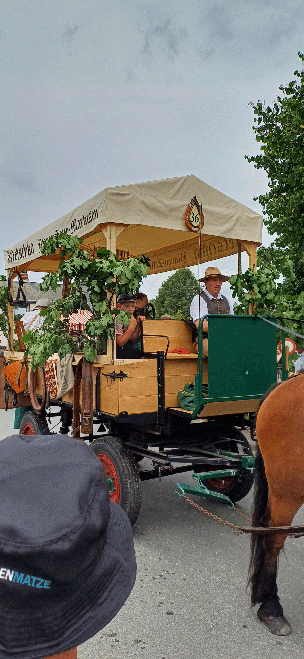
<point x="211" y="273"/>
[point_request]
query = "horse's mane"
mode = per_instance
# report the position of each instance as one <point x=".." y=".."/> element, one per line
<point x="274" y="386"/>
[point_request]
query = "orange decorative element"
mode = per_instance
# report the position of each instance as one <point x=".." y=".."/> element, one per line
<point x="194" y="216"/>
<point x="15" y="374"/>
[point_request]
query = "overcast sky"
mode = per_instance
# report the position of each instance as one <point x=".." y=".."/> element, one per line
<point x="97" y="94"/>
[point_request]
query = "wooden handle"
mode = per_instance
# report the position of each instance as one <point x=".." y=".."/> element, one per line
<point x="286" y="357"/>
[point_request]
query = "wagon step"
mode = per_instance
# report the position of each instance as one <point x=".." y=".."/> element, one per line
<point x="202" y="490"/>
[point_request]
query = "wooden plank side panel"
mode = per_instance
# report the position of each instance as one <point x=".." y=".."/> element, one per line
<point x="138" y="387"/>
<point x="230" y="407"/>
<point x="138" y="404"/>
<point x="109" y="395"/>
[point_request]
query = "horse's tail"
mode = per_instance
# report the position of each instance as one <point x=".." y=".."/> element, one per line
<point x="260" y="517"/>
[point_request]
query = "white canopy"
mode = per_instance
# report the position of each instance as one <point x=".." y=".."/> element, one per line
<point x="149" y="218"/>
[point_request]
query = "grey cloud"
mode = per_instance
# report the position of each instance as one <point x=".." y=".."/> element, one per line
<point x="19" y="181"/>
<point x="165" y="32"/>
<point x="219" y="22"/>
<point x="69" y="32"/>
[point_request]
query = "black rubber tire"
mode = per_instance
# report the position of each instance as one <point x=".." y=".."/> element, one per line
<point x="32" y="421"/>
<point x="237" y="487"/>
<point x="127" y="473"/>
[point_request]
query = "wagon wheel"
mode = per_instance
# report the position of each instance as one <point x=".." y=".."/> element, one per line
<point x="122" y="474"/>
<point x="236" y="487"/>
<point x="33" y="424"/>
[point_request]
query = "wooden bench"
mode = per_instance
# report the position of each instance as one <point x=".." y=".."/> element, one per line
<point x="157" y="334"/>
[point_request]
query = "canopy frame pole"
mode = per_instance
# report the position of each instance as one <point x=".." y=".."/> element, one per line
<point x="251" y="249"/>
<point x="111" y="231"/>
<point x="10" y="310"/>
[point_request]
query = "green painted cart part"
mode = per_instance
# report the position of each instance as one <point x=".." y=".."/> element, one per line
<point x="182" y="489"/>
<point x="247" y="461"/>
<point x="217" y="473"/>
<point x="247" y="464"/>
<point x="242" y="359"/>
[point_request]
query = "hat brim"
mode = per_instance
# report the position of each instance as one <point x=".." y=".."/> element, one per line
<point x="222" y="277"/>
<point x="61" y="627"/>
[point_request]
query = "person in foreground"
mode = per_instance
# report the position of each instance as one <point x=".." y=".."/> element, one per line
<point x="67" y="561"/>
<point x="210" y="301"/>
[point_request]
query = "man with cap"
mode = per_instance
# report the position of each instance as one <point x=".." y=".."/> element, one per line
<point x="128" y="337"/>
<point x="31" y="319"/>
<point x="210" y="301"/>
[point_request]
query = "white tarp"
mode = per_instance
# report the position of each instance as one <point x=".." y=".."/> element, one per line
<point x="159" y="204"/>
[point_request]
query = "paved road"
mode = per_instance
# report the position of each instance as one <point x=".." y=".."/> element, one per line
<point x="189" y="600"/>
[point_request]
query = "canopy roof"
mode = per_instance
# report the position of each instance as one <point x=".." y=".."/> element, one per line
<point x="148" y="218"/>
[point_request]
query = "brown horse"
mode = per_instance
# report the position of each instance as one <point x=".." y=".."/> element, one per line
<point x="279" y="492"/>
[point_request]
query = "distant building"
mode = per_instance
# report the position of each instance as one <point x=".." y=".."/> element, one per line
<point x="32" y="293"/>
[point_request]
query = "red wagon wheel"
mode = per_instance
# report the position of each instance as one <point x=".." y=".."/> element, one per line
<point x="236" y="487"/>
<point x="122" y="474"/>
<point x="33" y="424"/>
<point x="111" y="477"/>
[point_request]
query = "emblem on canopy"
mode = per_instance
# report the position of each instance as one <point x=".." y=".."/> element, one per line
<point x="194" y="216"/>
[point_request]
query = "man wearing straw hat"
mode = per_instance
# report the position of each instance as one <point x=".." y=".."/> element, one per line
<point x="210" y="301"/>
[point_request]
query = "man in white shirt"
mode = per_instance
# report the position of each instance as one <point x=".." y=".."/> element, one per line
<point x="31" y="319"/>
<point x="299" y="363"/>
<point x="210" y="301"/>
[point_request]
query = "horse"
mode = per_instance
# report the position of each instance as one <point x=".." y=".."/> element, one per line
<point x="278" y="493"/>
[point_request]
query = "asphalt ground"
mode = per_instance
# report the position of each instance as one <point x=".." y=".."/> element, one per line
<point x="190" y="599"/>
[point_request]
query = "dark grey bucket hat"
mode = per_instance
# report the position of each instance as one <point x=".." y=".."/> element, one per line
<point x="67" y="561"/>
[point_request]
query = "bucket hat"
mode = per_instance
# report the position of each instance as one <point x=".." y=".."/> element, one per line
<point x="213" y="272"/>
<point x="67" y="561"/>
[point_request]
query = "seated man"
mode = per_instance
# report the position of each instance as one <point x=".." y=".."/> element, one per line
<point x="32" y="320"/>
<point x="128" y="337"/>
<point x="144" y="307"/>
<point x="141" y="302"/>
<point x="209" y="301"/>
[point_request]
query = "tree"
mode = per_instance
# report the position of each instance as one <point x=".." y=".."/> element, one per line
<point x="176" y="293"/>
<point x="277" y="288"/>
<point x="280" y="133"/>
<point x="93" y="281"/>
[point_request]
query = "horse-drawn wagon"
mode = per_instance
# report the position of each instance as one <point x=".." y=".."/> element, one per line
<point x="136" y="401"/>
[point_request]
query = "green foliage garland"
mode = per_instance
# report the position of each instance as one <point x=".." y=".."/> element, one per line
<point x="92" y="284"/>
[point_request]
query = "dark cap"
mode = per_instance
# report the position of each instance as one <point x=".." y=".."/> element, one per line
<point x="125" y="297"/>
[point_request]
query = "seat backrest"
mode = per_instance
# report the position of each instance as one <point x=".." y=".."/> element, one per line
<point x="178" y="332"/>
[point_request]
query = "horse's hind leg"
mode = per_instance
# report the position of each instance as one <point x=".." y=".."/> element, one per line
<point x="281" y="513"/>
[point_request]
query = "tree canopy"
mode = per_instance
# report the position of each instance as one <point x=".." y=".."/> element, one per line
<point x="279" y="130"/>
<point x="277" y="288"/>
<point x="175" y="295"/>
